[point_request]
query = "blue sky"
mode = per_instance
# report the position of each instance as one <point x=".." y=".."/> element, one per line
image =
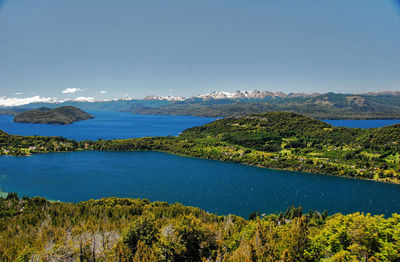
<point x="187" y="47"/>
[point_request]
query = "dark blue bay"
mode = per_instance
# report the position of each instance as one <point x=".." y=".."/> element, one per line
<point x="212" y="185"/>
<point x="108" y="125"/>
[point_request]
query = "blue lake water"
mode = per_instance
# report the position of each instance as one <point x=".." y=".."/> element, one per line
<point x="363" y="123"/>
<point x="212" y="185"/>
<point x="108" y="125"/>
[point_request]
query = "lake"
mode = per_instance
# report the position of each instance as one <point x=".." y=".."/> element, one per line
<point x="108" y="125"/>
<point x="215" y="186"/>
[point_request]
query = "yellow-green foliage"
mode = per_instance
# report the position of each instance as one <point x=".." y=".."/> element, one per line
<point x="114" y="229"/>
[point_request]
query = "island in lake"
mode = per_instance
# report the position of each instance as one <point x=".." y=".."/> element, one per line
<point x="64" y="115"/>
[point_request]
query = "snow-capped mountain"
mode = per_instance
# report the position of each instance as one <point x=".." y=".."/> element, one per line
<point x="255" y="94"/>
<point x="168" y="98"/>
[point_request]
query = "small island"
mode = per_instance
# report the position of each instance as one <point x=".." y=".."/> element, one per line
<point x="63" y="115"/>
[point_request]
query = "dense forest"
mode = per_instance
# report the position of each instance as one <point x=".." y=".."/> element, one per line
<point x="63" y="115"/>
<point x="115" y="229"/>
<point x="275" y="140"/>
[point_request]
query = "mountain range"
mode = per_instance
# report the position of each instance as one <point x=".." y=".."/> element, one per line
<point x="373" y="105"/>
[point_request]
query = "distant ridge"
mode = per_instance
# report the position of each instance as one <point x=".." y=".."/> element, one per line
<point x="60" y="116"/>
<point x="382" y="105"/>
<point x="256" y="94"/>
<point x="372" y="105"/>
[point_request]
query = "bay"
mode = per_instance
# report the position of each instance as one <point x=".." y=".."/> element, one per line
<point x="215" y="186"/>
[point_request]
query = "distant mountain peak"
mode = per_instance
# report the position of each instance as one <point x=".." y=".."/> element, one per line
<point x="168" y="98"/>
<point x="254" y="94"/>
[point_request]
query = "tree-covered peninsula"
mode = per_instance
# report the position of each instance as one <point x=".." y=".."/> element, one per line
<point x="274" y="140"/>
<point x="116" y="229"/>
<point x="63" y="115"/>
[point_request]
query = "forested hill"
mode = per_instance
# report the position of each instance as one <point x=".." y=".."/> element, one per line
<point x="61" y="116"/>
<point x="292" y="130"/>
<point x="268" y="124"/>
<point x="297" y="142"/>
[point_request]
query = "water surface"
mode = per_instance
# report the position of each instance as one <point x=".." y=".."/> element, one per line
<point x="108" y="125"/>
<point x="119" y="125"/>
<point x="215" y="186"/>
<point x="363" y="123"/>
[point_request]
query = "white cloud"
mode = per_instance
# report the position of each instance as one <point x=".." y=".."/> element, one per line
<point x="103" y="92"/>
<point x="14" y="101"/>
<point x="19" y="93"/>
<point x="71" y="90"/>
<point x="171" y="90"/>
<point x="84" y="99"/>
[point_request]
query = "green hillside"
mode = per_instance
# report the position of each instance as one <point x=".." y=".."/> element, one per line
<point x="292" y="130"/>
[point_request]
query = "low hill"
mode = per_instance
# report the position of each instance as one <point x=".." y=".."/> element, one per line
<point x="268" y="131"/>
<point x="277" y="122"/>
<point x="60" y="116"/>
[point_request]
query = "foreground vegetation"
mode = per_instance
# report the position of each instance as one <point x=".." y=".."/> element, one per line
<point x="274" y="140"/>
<point x="115" y="229"/>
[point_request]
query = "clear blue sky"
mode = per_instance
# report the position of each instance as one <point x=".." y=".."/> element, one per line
<point x="188" y="47"/>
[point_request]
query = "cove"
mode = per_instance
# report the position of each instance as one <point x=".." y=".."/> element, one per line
<point x="215" y="186"/>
